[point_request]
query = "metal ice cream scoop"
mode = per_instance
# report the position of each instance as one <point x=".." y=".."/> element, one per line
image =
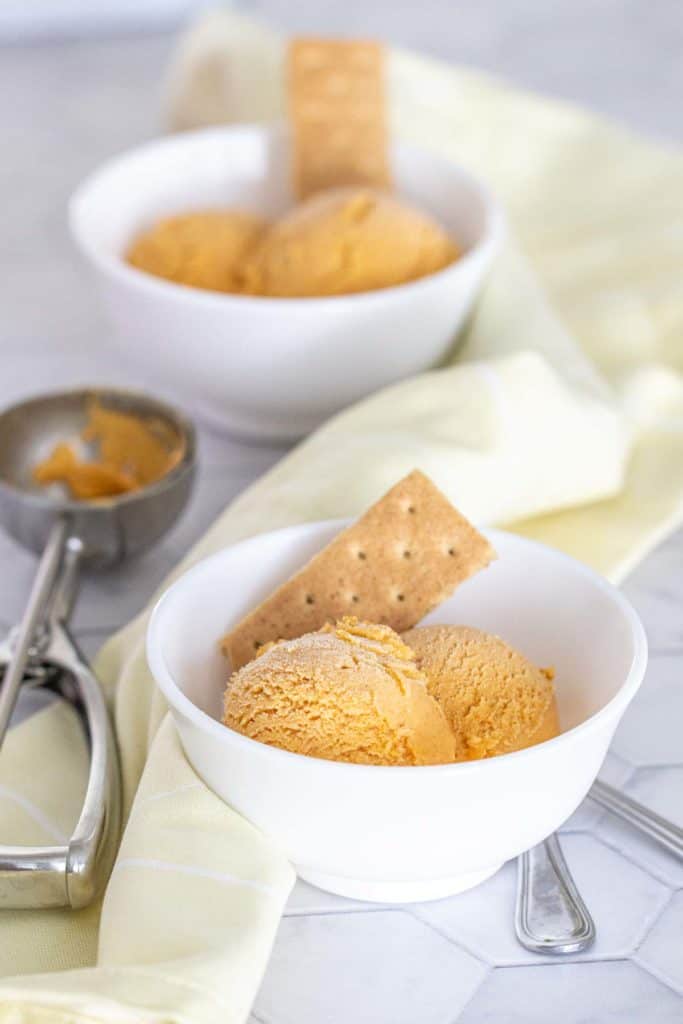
<point x="40" y="650"/>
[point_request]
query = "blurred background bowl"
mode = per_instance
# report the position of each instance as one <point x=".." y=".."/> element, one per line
<point x="262" y="367"/>
<point x="392" y="833"/>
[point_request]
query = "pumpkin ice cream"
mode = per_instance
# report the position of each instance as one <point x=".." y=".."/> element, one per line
<point x="346" y="240"/>
<point x="132" y="453"/>
<point x="202" y="249"/>
<point x="494" y="699"/>
<point x="351" y="692"/>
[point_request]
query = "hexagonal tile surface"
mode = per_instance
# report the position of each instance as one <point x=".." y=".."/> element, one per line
<point x="573" y="994"/>
<point x="650" y="731"/>
<point x="623" y="900"/>
<point x="367" y="968"/>
<point x="660" y="789"/>
<point x="656" y="588"/>
<point x="307" y="899"/>
<point x="662" y="951"/>
<point x="615" y="771"/>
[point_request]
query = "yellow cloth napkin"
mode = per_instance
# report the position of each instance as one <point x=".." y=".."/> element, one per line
<point x="535" y="418"/>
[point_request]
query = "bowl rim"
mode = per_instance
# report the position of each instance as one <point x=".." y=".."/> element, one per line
<point x="491" y="235"/>
<point x="182" y="704"/>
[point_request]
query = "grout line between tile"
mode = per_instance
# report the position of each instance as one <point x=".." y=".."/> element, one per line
<point x="649" y="926"/>
<point x="555" y="961"/>
<point x="471" y="951"/>
<point x="651" y="766"/>
<point x="654" y="765"/>
<point x="467" y="1002"/>
<point x="577" y="830"/>
<point x="632" y="860"/>
<point x="567" y="958"/>
<point x="601" y="812"/>
<point x="342" y="912"/>
<point x="652" y="919"/>
<point x="629" y="774"/>
<point x="659" y="976"/>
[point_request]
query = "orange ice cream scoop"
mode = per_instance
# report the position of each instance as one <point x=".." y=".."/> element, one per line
<point x="131" y="453"/>
<point x="351" y="692"/>
<point x="85" y="480"/>
<point x="203" y="249"/>
<point x="347" y="240"/>
<point x="493" y="698"/>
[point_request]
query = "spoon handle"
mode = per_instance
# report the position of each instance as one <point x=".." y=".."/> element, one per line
<point x="550" y="915"/>
<point x="33" y="618"/>
<point x="653" y="825"/>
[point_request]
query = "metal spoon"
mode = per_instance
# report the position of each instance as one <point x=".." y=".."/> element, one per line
<point x="550" y="915"/>
<point x="648" y="822"/>
<point x="41" y="651"/>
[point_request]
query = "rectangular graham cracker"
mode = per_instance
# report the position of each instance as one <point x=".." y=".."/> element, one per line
<point x="404" y="556"/>
<point x="337" y="114"/>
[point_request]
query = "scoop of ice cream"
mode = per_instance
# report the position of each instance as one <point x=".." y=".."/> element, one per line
<point x="351" y="692"/>
<point x="203" y="249"/>
<point x="347" y="240"/>
<point x="493" y="698"/>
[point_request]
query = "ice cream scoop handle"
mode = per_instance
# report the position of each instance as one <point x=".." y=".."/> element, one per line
<point x="550" y="915"/>
<point x="653" y="825"/>
<point x="34" y="615"/>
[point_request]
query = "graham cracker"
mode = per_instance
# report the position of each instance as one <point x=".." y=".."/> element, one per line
<point x="404" y="556"/>
<point x="337" y="114"/>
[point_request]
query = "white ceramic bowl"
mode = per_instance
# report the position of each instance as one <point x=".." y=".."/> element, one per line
<point x="272" y="368"/>
<point x="401" y="834"/>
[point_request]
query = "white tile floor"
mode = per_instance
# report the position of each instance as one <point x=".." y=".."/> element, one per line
<point x="650" y="733"/>
<point x="661" y="952"/>
<point x="365" y="964"/>
<point x="618" y="992"/>
<point x="326" y="945"/>
<point x="624" y="900"/>
<point x="660" y="789"/>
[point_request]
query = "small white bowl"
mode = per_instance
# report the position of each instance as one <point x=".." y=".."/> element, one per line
<point x="272" y="368"/>
<point x="403" y="834"/>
